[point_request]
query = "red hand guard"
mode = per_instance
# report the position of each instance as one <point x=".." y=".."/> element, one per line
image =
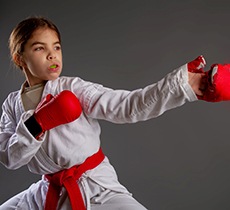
<point x="57" y="110"/>
<point x="218" y="83"/>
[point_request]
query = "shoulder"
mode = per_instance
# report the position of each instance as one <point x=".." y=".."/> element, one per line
<point x="11" y="103"/>
<point x="70" y="80"/>
<point x="66" y="81"/>
<point x="12" y="97"/>
<point x="73" y="83"/>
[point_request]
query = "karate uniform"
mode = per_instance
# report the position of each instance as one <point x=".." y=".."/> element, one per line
<point x="70" y="144"/>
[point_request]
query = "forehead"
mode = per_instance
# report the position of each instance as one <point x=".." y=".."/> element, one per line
<point x="44" y="34"/>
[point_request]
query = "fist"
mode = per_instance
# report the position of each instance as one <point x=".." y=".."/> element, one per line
<point x="53" y="111"/>
<point x="217" y="83"/>
<point x="57" y="110"/>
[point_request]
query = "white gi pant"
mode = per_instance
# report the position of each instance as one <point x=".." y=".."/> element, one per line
<point x="96" y="198"/>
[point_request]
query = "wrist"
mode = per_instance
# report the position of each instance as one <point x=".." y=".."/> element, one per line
<point x="33" y="127"/>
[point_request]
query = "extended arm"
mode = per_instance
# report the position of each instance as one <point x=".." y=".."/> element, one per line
<point x="121" y="106"/>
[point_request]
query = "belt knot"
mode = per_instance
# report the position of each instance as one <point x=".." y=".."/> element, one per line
<point x="68" y="178"/>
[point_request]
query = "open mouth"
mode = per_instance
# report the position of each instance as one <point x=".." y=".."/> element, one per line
<point x="54" y="66"/>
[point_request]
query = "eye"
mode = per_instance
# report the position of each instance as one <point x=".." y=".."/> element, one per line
<point x="58" y="47"/>
<point x="38" y="48"/>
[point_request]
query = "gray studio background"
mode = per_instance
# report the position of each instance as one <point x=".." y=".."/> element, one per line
<point x="178" y="161"/>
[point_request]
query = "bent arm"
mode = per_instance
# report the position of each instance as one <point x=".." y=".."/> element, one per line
<point x="17" y="145"/>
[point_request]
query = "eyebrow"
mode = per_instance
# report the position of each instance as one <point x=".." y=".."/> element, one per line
<point x="42" y="43"/>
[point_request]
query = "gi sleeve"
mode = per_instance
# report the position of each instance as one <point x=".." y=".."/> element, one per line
<point x="17" y="145"/>
<point x="120" y="106"/>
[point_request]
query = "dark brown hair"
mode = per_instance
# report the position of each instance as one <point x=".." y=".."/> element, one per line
<point x="23" y="32"/>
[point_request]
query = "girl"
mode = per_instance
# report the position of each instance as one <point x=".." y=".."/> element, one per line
<point x="60" y="139"/>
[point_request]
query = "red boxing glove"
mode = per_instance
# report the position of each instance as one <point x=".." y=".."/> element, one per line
<point x="197" y="65"/>
<point x="57" y="110"/>
<point x="217" y="83"/>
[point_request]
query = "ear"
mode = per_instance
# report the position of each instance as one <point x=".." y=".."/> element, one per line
<point x="18" y="60"/>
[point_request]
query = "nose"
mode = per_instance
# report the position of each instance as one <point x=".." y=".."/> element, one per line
<point x="51" y="55"/>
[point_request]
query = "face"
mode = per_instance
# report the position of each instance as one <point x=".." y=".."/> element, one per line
<point x="42" y="57"/>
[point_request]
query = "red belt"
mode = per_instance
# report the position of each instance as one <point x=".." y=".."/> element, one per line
<point x="68" y="179"/>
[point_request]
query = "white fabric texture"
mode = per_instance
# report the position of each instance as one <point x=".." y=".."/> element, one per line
<point x="70" y="144"/>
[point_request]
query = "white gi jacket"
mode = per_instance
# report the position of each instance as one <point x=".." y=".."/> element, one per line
<point x="70" y="144"/>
